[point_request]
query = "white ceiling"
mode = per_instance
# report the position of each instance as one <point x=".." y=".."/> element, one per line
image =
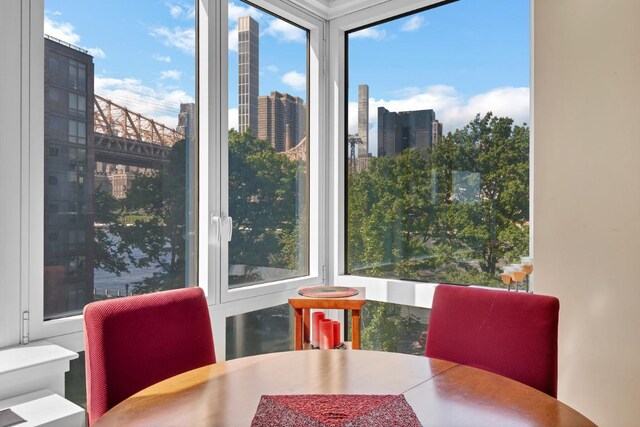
<point x="330" y="9"/>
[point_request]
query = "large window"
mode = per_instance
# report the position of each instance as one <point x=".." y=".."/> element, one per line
<point x="268" y="147"/>
<point x="438" y="143"/>
<point x="120" y="164"/>
<point x="261" y="331"/>
<point x="391" y="327"/>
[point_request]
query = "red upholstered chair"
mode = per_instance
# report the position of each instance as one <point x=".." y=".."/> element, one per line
<point x="514" y="334"/>
<point x="134" y="342"/>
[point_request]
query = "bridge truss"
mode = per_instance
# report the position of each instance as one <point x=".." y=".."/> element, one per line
<point x="126" y="137"/>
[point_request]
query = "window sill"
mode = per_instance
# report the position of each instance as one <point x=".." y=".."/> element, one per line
<point x="31" y="367"/>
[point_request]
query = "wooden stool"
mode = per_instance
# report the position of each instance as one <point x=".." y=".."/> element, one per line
<point x="303" y="305"/>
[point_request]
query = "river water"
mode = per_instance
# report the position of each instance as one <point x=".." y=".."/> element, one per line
<point x="105" y="282"/>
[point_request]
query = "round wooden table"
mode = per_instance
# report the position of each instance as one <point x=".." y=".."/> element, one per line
<point x="441" y="393"/>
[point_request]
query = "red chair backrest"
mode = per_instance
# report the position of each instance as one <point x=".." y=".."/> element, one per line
<point x="134" y="342"/>
<point x="514" y="334"/>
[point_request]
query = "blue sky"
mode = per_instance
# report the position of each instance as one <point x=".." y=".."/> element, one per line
<point x="283" y="56"/>
<point x="143" y="50"/>
<point x="462" y="57"/>
<point x="472" y="45"/>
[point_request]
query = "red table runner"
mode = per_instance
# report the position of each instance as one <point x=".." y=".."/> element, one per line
<point x="334" y="410"/>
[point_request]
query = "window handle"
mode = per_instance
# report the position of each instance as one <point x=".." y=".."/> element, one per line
<point x="229" y="228"/>
<point x="216" y="220"/>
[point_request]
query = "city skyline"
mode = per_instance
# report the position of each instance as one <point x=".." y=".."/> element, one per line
<point x="459" y="59"/>
<point x="159" y="73"/>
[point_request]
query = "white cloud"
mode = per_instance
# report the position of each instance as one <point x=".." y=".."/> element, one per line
<point x="161" y="58"/>
<point x="236" y="12"/>
<point x="412" y="24"/>
<point x="284" y="31"/>
<point x="452" y="109"/>
<point x="407" y="92"/>
<point x="159" y="103"/>
<point x="296" y="80"/>
<point x="181" y="9"/>
<point x="96" y="52"/>
<point x="175" y="11"/>
<point x="65" y="31"/>
<point x="233" y="39"/>
<point x="171" y="74"/>
<point x="233" y="119"/>
<point x="57" y="13"/>
<point x="369" y="33"/>
<point x="61" y="30"/>
<point x="272" y="68"/>
<point x="182" y="38"/>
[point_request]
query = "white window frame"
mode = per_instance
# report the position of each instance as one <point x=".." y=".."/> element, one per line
<point x="395" y="291"/>
<point x="212" y="110"/>
<point x="327" y="174"/>
<point x="232" y="302"/>
<point x="317" y="130"/>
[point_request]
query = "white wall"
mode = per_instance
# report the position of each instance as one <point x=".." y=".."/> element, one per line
<point x="587" y="197"/>
<point x="10" y="82"/>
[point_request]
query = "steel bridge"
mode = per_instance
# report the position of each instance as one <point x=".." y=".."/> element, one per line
<point x="127" y="138"/>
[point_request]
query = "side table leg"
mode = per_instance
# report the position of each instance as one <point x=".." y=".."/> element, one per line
<point x="306" y="316"/>
<point x="355" y="329"/>
<point x="298" y="329"/>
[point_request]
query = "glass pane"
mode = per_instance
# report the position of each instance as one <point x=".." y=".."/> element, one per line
<point x="121" y="150"/>
<point x="392" y="327"/>
<point x="75" y="381"/>
<point x="438" y="155"/>
<point x="259" y="332"/>
<point x="268" y="147"/>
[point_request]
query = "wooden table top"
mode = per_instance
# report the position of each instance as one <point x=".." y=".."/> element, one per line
<point x="354" y="302"/>
<point x="441" y="393"/>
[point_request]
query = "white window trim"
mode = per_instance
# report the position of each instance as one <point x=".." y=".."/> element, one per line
<point x="326" y="240"/>
<point x="213" y="107"/>
<point x="231" y="302"/>
<point x="209" y="88"/>
<point x="404" y="292"/>
<point x="317" y="157"/>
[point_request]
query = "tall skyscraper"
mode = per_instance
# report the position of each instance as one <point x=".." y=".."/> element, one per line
<point x="68" y="172"/>
<point x="406" y="129"/>
<point x="363" y="120"/>
<point x="248" y="73"/>
<point x="282" y="120"/>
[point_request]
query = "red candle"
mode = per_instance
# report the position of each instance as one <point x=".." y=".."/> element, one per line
<point x="336" y="333"/>
<point x="315" y="330"/>
<point x="326" y="334"/>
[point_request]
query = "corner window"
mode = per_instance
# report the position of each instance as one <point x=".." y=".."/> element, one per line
<point x="437" y="144"/>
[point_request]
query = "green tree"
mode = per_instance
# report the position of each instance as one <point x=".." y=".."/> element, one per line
<point x="147" y="228"/>
<point x="452" y="212"/>
<point x="160" y="234"/>
<point x="111" y="253"/>
<point x="262" y="201"/>
<point x="390" y="211"/>
<point x="155" y="239"/>
<point x="492" y="226"/>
